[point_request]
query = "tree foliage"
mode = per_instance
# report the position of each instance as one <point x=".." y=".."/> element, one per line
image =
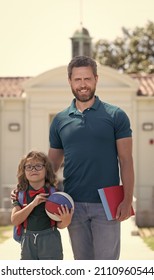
<point x="132" y="53"/>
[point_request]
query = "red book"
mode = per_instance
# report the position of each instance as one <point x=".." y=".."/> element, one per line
<point x="111" y="198"/>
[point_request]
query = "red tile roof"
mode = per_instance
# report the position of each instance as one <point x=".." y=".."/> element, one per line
<point x="12" y="87"/>
<point x="146" y="84"/>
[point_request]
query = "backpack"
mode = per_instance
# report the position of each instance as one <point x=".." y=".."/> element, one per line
<point x="19" y="230"/>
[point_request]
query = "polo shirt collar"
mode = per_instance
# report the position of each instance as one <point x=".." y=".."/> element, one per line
<point x="73" y="109"/>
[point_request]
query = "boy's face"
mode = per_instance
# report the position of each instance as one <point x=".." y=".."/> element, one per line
<point x="35" y="171"/>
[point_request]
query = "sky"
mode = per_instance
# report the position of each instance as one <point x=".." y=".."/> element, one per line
<point x="35" y="34"/>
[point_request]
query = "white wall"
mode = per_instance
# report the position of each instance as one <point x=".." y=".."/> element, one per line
<point x="11" y="142"/>
<point x="145" y="160"/>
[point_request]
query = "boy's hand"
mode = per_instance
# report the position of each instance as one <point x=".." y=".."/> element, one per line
<point x="39" y="198"/>
<point x="65" y="216"/>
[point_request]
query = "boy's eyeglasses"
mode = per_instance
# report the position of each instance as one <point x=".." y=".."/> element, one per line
<point x="37" y="167"/>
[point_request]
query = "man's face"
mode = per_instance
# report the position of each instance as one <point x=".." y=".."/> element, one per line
<point x="83" y="83"/>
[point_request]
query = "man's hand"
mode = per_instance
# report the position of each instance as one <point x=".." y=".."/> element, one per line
<point x="13" y="195"/>
<point x="123" y="211"/>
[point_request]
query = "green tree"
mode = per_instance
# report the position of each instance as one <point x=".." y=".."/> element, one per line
<point x="133" y="53"/>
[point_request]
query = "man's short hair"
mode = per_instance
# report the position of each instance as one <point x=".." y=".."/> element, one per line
<point x="82" y="61"/>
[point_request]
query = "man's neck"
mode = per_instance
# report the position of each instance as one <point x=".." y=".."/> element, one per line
<point x="81" y="106"/>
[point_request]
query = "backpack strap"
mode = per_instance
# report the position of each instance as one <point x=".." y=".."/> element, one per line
<point x="21" y="197"/>
<point x="23" y="202"/>
<point x="18" y="230"/>
<point x="52" y="189"/>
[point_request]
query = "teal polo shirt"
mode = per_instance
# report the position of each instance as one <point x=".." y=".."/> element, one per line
<point x="89" y="143"/>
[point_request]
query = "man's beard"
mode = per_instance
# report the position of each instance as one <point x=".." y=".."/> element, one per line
<point x="82" y="97"/>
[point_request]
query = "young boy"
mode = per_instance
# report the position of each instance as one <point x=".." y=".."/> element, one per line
<point x="41" y="239"/>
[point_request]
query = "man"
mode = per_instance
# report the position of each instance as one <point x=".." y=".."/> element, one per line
<point x="93" y="139"/>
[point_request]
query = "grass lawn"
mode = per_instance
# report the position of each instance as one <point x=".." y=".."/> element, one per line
<point x="147" y="234"/>
<point x="149" y="241"/>
<point x="5" y="232"/>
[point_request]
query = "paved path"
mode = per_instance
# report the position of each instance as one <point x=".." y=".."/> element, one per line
<point x="132" y="246"/>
